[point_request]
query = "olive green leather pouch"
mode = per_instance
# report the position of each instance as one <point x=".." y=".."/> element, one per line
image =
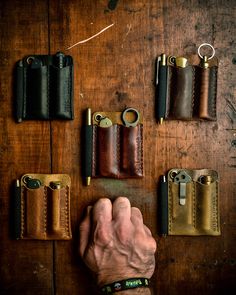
<point x="193" y="202"/>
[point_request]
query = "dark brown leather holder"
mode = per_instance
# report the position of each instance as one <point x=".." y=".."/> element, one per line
<point x="189" y="87"/>
<point x="193" y="202"/>
<point x="44" y="87"/>
<point x="191" y="91"/>
<point x="117" y="146"/>
<point x="43" y="207"/>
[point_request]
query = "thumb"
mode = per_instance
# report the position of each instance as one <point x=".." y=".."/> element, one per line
<point x="84" y="230"/>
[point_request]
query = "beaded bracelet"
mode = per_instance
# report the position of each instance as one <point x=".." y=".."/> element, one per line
<point x="125" y="285"/>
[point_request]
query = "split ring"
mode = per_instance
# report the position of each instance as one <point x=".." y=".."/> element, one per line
<point x="128" y="123"/>
<point x="206" y="45"/>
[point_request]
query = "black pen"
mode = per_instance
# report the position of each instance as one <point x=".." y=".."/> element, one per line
<point x="88" y="147"/>
<point x="163" y="206"/>
<point x="161" y="83"/>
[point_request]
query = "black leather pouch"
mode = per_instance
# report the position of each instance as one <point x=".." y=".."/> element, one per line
<point x="44" y="87"/>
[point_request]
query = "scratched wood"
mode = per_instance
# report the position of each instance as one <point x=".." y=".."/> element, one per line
<point x="26" y="266"/>
<point x="113" y="71"/>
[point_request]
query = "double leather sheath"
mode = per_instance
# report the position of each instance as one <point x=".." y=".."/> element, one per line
<point x="44" y="210"/>
<point x="191" y="90"/>
<point x="44" y="87"/>
<point x="117" y="150"/>
<point x="193" y="204"/>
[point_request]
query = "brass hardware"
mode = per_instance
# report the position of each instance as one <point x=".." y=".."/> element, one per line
<point x="105" y="122"/>
<point x="178" y="61"/>
<point x="163" y="59"/>
<point x="98" y="117"/>
<point x="204" y="62"/>
<point x="130" y="123"/>
<point x="205" y="179"/>
<point x="182" y="178"/>
<point x="206" y="45"/>
<point x="55" y="184"/>
<point x="31" y="183"/>
<point x="181" y="62"/>
<point x="171" y="59"/>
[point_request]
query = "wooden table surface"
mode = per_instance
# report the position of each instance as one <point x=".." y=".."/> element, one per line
<point x="113" y="71"/>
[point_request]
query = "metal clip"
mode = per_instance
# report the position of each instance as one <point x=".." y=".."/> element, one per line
<point x="130" y="123"/>
<point x="205" y="179"/>
<point x="182" y="178"/>
<point x="32" y="183"/>
<point x="205" y="58"/>
<point x="178" y="61"/>
<point x="105" y="122"/>
<point x="55" y="184"/>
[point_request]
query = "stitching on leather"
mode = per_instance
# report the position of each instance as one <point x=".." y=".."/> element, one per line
<point x="169" y="91"/>
<point x="214" y="87"/>
<point x="94" y="150"/>
<point x="67" y="211"/>
<point x="45" y="195"/>
<point x="24" y="92"/>
<point x="70" y="89"/>
<point x="193" y="88"/>
<point x="140" y="148"/>
<point x="22" y="213"/>
<point x="214" y="216"/>
<point x="194" y="205"/>
<point x="117" y="132"/>
<point x="48" y="87"/>
<point x="170" y="207"/>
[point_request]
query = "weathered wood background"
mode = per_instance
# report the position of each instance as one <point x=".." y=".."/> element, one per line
<point x="113" y="71"/>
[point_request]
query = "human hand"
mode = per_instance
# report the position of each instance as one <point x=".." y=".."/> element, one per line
<point x="114" y="242"/>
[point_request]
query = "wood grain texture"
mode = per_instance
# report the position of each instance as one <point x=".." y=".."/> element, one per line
<point x="113" y="71"/>
<point x="26" y="266"/>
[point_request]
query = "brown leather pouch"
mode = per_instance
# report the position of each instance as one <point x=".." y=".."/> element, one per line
<point x="193" y="202"/>
<point x="44" y="201"/>
<point x="191" y="89"/>
<point x="117" y="145"/>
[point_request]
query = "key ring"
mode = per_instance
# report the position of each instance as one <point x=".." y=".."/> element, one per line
<point x="207" y="45"/>
<point x="126" y="122"/>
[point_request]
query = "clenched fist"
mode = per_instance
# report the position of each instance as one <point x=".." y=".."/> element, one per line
<point x="114" y="242"/>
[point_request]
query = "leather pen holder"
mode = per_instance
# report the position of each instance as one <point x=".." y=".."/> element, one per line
<point x="117" y="150"/>
<point x="188" y="89"/>
<point x="192" y="203"/>
<point x="43" y="207"/>
<point x="44" y="87"/>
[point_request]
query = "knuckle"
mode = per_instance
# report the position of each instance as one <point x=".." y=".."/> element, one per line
<point x="122" y="234"/>
<point x="101" y="235"/>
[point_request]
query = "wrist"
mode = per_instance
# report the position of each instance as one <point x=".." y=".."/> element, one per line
<point x="127" y="286"/>
<point x="141" y="291"/>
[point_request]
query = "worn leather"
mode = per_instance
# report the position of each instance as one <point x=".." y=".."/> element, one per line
<point x="200" y="215"/>
<point x="117" y="151"/>
<point x="192" y="91"/>
<point x="180" y="89"/>
<point x="45" y="212"/>
<point x="44" y="91"/>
